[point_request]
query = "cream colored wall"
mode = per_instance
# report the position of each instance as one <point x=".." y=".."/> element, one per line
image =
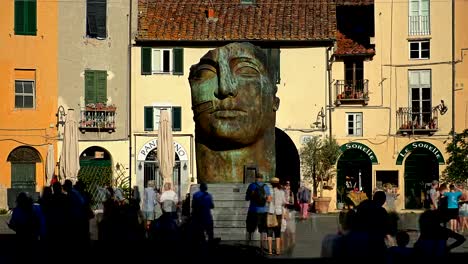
<point x="461" y="56"/>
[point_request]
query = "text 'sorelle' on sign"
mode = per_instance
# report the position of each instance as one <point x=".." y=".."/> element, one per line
<point x="420" y="144"/>
<point x="369" y="152"/>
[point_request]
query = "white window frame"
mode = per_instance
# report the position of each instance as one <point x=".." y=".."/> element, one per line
<point x="154" y="69"/>
<point x="421" y="30"/>
<point x="419" y="42"/>
<point x="357" y="129"/>
<point x="33" y="94"/>
<point x="157" y="115"/>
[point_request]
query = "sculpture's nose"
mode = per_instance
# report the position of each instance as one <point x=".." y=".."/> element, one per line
<point x="227" y="86"/>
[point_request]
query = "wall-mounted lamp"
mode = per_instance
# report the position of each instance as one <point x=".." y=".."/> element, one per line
<point x="139" y="165"/>
<point x="442" y="107"/>
<point x="60" y="116"/>
<point x="320" y="121"/>
<point x="185" y="166"/>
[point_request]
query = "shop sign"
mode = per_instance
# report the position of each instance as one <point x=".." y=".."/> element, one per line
<point x="420" y="144"/>
<point x="354" y="145"/>
<point x="152" y="144"/>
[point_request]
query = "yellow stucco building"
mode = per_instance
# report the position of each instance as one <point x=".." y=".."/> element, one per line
<point x="461" y="59"/>
<point x="28" y="75"/>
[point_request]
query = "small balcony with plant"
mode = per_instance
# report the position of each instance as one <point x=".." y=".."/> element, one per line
<point x="410" y="120"/>
<point x="98" y="117"/>
<point x="352" y="92"/>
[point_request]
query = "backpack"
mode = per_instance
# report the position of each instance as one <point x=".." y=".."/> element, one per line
<point x="258" y="195"/>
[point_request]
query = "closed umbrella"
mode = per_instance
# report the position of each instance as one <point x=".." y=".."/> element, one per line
<point x="50" y="164"/>
<point x="70" y="156"/>
<point x="165" y="147"/>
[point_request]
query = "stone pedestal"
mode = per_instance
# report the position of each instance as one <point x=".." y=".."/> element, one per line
<point x="230" y="210"/>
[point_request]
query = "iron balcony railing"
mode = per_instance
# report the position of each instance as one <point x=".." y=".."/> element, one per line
<point x="348" y="91"/>
<point x="412" y="120"/>
<point x="419" y="25"/>
<point x="98" y="118"/>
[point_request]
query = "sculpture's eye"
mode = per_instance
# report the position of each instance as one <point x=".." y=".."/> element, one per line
<point x="246" y="70"/>
<point x="204" y="72"/>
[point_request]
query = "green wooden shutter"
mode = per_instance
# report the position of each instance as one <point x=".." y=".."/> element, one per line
<point x="23" y="175"/>
<point x="19" y="17"/>
<point x="91" y="18"/>
<point x="146" y="61"/>
<point x="31" y="18"/>
<point x="101" y="18"/>
<point x="148" y="118"/>
<point x="178" y="60"/>
<point x="90" y="87"/>
<point x="101" y="86"/>
<point x="176" y="118"/>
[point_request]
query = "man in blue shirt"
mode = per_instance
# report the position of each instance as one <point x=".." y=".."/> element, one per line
<point x="258" y="208"/>
<point x="452" y="206"/>
<point x="202" y="203"/>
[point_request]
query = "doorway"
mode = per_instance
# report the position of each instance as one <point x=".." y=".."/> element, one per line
<point x="355" y="166"/>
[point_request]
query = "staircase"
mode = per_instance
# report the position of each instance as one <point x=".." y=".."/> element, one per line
<point x="230" y="210"/>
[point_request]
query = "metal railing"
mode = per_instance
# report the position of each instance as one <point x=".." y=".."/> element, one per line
<point x="102" y="118"/>
<point x="351" y="91"/>
<point x="410" y="119"/>
<point x="419" y="25"/>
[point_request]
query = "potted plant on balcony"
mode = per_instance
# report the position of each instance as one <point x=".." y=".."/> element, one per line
<point x="318" y="158"/>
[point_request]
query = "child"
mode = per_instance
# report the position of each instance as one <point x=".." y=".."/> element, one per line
<point x="400" y="252"/>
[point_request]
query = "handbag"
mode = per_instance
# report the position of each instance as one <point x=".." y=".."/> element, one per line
<point x="272" y="221"/>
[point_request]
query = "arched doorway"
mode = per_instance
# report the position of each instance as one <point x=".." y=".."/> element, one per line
<point x="421" y="168"/>
<point x="95" y="171"/>
<point x="151" y="171"/>
<point x="23" y="172"/>
<point x="288" y="164"/>
<point x="357" y="166"/>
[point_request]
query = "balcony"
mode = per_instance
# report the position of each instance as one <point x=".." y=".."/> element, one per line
<point x="349" y="92"/>
<point x="97" y="117"/>
<point x="419" y="26"/>
<point x="417" y="123"/>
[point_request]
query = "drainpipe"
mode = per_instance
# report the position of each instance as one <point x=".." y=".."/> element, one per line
<point x="453" y="68"/>
<point x="130" y="17"/>
<point x="330" y="108"/>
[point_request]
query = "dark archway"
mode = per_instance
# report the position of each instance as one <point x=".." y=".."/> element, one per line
<point x="23" y="172"/>
<point x="421" y="168"/>
<point x="351" y="163"/>
<point x="288" y="164"/>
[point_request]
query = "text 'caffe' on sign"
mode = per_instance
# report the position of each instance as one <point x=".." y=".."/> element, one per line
<point x="368" y="151"/>
<point x="420" y="144"/>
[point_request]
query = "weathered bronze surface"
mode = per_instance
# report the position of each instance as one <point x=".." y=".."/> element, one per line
<point x="234" y="104"/>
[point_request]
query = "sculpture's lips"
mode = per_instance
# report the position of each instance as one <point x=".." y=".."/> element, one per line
<point x="228" y="113"/>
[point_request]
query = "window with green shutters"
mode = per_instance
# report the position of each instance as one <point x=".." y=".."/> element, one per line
<point x="95" y="86"/>
<point x="23" y="175"/>
<point x="162" y="60"/>
<point x="152" y="114"/>
<point x="25" y="17"/>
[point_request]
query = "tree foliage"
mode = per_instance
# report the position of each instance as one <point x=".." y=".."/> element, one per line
<point x="457" y="163"/>
<point x="318" y="158"/>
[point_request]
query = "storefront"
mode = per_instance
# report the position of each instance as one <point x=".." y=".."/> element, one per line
<point x="421" y="162"/>
<point x="147" y="167"/>
<point x="354" y="168"/>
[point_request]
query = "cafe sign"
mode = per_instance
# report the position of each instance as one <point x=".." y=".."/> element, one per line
<point x="368" y="151"/>
<point x="420" y="144"/>
<point x="153" y="144"/>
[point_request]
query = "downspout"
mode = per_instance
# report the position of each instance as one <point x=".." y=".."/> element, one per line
<point x="453" y="68"/>
<point x="130" y="17"/>
<point x="330" y="102"/>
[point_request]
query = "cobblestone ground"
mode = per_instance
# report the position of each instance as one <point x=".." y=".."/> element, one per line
<point x="309" y="233"/>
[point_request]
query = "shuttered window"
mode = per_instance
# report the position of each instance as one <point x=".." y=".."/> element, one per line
<point x="95" y="87"/>
<point x="23" y="175"/>
<point x="149" y="123"/>
<point x="156" y="61"/>
<point x="25" y="17"/>
<point x="176" y="118"/>
<point x="96" y="17"/>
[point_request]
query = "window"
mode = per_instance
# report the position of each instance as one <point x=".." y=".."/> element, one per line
<point x="153" y="113"/>
<point x="354" y="124"/>
<point x="95" y="86"/>
<point x="25" y="17"/>
<point x="419" y="49"/>
<point x="354" y="72"/>
<point x="273" y="60"/>
<point x="420" y="89"/>
<point x="419" y="17"/>
<point x="96" y="16"/>
<point x="24" y="94"/>
<point x="158" y="60"/>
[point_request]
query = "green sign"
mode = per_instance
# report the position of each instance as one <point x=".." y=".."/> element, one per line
<point x="420" y="144"/>
<point x="354" y="145"/>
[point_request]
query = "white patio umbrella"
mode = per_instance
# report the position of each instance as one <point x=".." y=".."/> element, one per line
<point x="70" y="156"/>
<point x="50" y="164"/>
<point x="165" y="147"/>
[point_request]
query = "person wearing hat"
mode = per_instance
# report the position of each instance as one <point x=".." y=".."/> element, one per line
<point x="276" y="208"/>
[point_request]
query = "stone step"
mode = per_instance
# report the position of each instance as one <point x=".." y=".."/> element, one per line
<point x="231" y="204"/>
<point x="229" y="211"/>
<point x="233" y="224"/>
<point x="234" y="217"/>
<point x="228" y="196"/>
<point x="230" y="234"/>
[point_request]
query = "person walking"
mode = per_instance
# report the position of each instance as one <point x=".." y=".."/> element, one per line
<point x="149" y="203"/>
<point x="303" y="196"/>
<point x="276" y="209"/>
<point x="202" y="219"/>
<point x="258" y="194"/>
<point x="452" y="206"/>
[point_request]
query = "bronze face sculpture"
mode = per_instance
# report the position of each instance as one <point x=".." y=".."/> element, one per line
<point x="234" y="104"/>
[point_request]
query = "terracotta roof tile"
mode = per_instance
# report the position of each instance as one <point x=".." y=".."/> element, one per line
<point x="354" y="2"/>
<point x="347" y="46"/>
<point x="172" y="20"/>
